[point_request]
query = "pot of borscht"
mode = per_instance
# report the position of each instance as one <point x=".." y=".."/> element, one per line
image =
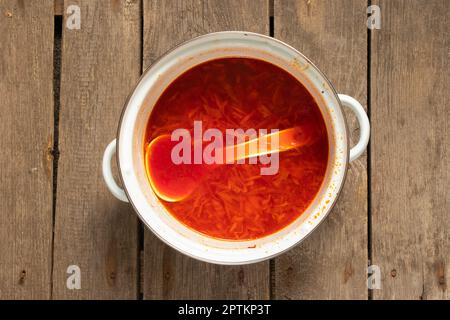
<point x="233" y="147"/>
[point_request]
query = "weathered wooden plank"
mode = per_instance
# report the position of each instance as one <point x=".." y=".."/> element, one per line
<point x="332" y="262"/>
<point x="410" y="154"/>
<point x="100" y="65"/>
<point x="26" y="141"/>
<point x="168" y="274"/>
<point x="59" y="7"/>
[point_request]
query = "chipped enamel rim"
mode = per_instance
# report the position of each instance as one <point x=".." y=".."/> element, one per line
<point x="130" y="151"/>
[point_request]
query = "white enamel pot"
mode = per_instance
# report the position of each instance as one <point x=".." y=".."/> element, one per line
<point x="129" y="150"/>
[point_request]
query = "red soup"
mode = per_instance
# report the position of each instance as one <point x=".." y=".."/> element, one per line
<point x="234" y="201"/>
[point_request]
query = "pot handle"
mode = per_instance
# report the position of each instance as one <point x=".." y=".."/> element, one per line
<point x="107" y="172"/>
<point x="364" y="125"/>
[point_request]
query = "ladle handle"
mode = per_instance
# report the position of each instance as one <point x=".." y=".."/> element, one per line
<point x="364" y="125"/>
<point x="107" y="173"/>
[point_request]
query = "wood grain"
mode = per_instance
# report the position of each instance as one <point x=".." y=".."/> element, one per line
<point x="100" y="66"/>
<point x="167" y="273"/>
<point x="332" y="262"/>
<point x="59" y="7"/>
<point x="26" y="141"/>
<point x="410" y="153"/>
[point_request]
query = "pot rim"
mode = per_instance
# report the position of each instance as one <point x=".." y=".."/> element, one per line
<point x="323" y="216"/>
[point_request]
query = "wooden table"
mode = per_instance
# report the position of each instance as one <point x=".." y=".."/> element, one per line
<point x="62" y="91"/>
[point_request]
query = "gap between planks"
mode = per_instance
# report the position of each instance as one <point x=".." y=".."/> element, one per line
<point x="57" y="41"/>
<point x="369" y="155"/>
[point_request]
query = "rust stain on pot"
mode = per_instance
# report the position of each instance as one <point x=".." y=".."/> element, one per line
<point x="296" y="64"/>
